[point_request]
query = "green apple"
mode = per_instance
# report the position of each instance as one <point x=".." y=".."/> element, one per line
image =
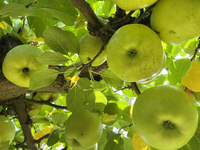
<point x="165" y="117"/>
<point x="26" y="32"/>
<point x="133" y="4"/>
<point x="7" y="130"/>
<point x="135" y="53"/>
<point x="20" y="63"/>
<point x="89" y="48"/>
<point x="83" y="129"/>
<point x="176" y="21"/>
<point x="33" y="109"/>
<point x="49" y="96"/>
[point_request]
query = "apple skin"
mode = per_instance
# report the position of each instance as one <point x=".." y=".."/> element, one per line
<point x="83" y="129"/>
<point x="33" y="109"/>
<point x="133" y="4"/>
<point x="146" y="81"/>
<point x="176" y="21"/>
<point x="7" y="130"/>
<point x="20" y="63"/>
<point x="49" y="96"/>
<point x="135" y="53"/>
<point x="89" y="48"/>
<point x="26" y="33"/>
<point x="165" y="117"/>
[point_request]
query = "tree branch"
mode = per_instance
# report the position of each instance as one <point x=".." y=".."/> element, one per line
<point x="196" y="51"/>
<point x="45" y="103"/>
<point x="94" y="23"/>
<point x="26" y="128"/>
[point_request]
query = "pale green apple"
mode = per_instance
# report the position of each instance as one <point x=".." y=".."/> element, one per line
<point x="26" y="32"/>
<point x="33" y="109"/>
<point x="135" y="53"/>
<point x="20" y="63"/>
<point x="133" y="4"/>
<point x="165" y="117"/>
<point x="89" y="48"/>
<point x="7" y="130"/>
<point x="49" y="96"/>
<point x="83" y="129"/>
<point x="176" y="21"/>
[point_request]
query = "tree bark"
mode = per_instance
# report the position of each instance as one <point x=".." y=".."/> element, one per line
<point x="26" y="128"/>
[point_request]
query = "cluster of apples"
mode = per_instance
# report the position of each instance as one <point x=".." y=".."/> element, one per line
<point x="164" y="116"/>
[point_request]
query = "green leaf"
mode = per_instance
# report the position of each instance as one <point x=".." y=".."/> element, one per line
<point x="96" y="101"/>
<point x="121" y="108"/>
<point x="115" y="143"/>
<point x="128" y="143"/>
<point x="53" y="139"/>
<point x="190" y="46"/>
<point x="52" y="58"/>
<point x="37" y="25"/>
<point x="42" y="78"/>
<point x="61" y="41"/>
<point x="75" y="98"/>
<point x="14" y="10"/>
<point x="70" y="72"/>
<point x="111" y="79"/>
<point x="63" y="10"/>
<point x="58" y="117"/>
<point x="177" y="70"/>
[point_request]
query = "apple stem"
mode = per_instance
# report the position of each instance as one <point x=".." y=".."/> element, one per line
<point x="132" y="53"/>
<point x="26" y="69"/>
<point x="169" y="125"/>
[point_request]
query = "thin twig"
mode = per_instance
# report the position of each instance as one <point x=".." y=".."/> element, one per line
<point x="196" y="51"/>
<point x="45" y="103"/>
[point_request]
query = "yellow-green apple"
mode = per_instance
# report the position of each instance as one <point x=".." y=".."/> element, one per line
<point x="20" y="63"/>
<point x="133" y="4"/>
<point x="135" y="53"/>
<point x="49" y="96"/>
<point x="176" y="21"/>
<point x="165" y="117"/>
<point x="83" y="129"/>
<point x="7" y="130"/>
<point x="25" y="32"/>
<point x="89" y="48"/>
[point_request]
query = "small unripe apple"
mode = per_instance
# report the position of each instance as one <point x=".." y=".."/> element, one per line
<point x="7" y="130"/>
<point x="49" y="96"/>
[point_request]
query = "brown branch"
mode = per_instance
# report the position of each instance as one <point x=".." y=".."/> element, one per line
<point x="9" y="90"/>
<point x="94" y="23"/>
<point x="135" y="88"/>
<point x="26" y="128"/>
<point x="125" y="127"/>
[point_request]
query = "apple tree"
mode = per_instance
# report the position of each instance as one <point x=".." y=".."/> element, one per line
<point x="60" y="68"/>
